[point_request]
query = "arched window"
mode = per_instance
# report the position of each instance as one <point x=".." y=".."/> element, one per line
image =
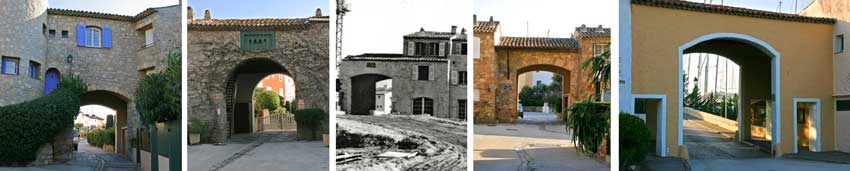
<point x="423" y="105"/>
<point x="93" y="36"/>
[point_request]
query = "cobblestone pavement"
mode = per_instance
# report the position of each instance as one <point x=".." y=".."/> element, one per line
<point x="260" y="151"/>
<point x="708" y="141"/>
<point x="537" y="142"/>
<point x="87" y="158"/>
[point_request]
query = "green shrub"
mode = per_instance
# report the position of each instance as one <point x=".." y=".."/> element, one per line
<point x="311" y="119"/>
<point x="589" y="123"/>
<point x="635" y="135"/>
<point x="158" y="94"/>
<point x="26" y="126"/>
<point x="100" y="137"/>
<point x="265" y="99"/>
<point x="199" y="127"/>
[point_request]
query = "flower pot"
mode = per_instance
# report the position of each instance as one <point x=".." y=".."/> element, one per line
<point x="326" y="140"/>
<point x="194" y="138"/>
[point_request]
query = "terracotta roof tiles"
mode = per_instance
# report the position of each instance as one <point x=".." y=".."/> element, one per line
<point x="538" y="42"/>
<point x="486" y="26"/>
<point x="721" y="9"/>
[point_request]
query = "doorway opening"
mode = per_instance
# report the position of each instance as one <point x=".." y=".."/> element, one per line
<point x="240" y="91"/>
<point x="373" y="94"/>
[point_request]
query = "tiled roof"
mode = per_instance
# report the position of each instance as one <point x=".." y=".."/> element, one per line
<point x="538" y="42"/>
<point x="430" y="35"/>
<point x="585" y="31"/>
<point x="394" y="57"/>
<point x="90" y="14"/>
<point x="247" y="24"/>
<point x="720" y="9"/>
<point x="486" y="26"/>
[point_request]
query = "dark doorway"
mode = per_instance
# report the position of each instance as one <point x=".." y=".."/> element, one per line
<point x="363" y="91"/>
<point x="242" y="118"/>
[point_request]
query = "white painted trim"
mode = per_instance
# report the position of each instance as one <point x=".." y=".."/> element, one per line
<point x="661" y="135"/>
<point x="761" y="45"/>
<point x="817" y="118"/>
<point x="625" y="56"/>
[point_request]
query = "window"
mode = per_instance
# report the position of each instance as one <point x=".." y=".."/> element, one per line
<point x="10" y="65"/>
<point x="839" y="43"/>
<point x="34" y="68"/>
<point x="419" y="48"/>
<point x="370" y="65"/>
<point x="461" y="77"/>
<point x="93" y="35"/>
<point x="461" y="109"/>
<point x="280" y="91"/>
<point x="434" y="49"/>
<point x="148" y="37"/>
<point x="64" y="33"/>
<point x="280" y="78"/>
<point x="598" y="49"/>
<point x="476" y="48"/>
<point x="463" y="48"/>
<point x="422" y="73"/>
<point x="842" y="105"/>
<point x="51" y="33"/>
<point x="423" y="105"/>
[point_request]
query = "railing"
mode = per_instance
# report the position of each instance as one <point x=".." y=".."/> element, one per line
<point x="277" y="122"/>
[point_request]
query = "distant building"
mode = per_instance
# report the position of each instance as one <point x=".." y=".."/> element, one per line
<point x="280" y="84"/>
<point x="90" y="120"/>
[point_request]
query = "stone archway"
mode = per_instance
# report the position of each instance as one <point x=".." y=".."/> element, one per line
<point x="559" y="70"/>
<point x="239" y="92"/>
<point x="119" y="103"/>
<point x="363" y="88"/>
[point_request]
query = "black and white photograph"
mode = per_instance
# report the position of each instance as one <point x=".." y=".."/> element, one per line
<point x="402" y="85"/>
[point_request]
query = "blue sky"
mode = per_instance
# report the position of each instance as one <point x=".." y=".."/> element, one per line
<point x="259" y="8"/>
<point x="123" y="7"/>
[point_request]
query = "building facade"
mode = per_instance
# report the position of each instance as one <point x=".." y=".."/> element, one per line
<point x="500" y="61"/>
<point x="110" y="52"/>
<point x="429" y="77"/>
<point x="280" y="84"/>
<point x="228" y="57"/>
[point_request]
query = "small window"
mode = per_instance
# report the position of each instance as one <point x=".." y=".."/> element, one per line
<point x="419" y="48"/>
<point x="461" y="77"/>
<point x="371" y="65"/>
<point x="93" y="36"/>
<point x="148" y="37"/>
<point x="64" y="33"/>
<point x="839" y="43"/>
<point x="842" y="105"/>
<point x="434" y="49"/>
<point x="51" y="33"/>
<point x="463" y="48"/>
<point x="461" y="109"/>
<point x="598" y="49"/>
<point x="10" y="65"/>
<point x="423" y="73"/>
<point x="35" y="67"/>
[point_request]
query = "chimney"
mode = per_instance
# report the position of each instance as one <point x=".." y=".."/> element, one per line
<point x="454" y="29"/>
<point x="421" y="29"/>
<point x="583" y="28"/>
<point x="190" y="14"/>
<point x="207" y="15"/>
<point x="463" y="31"/>
<point x="474" y="18"/>
<point x="491" y="18"/>
<point x="318" y="12"/>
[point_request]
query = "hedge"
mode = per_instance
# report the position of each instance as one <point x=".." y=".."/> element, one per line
<point x="635" y="134"/>
<point x="310" y="119"/>
<point x="158" y="94"/>
<point x="589" y="123"/>
<point x="27" y="126"/>
<point x="101" y="137"/>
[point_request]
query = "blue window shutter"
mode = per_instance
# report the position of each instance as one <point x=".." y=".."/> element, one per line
<point x="81" y="35"/>
<point x="107" y="37"/>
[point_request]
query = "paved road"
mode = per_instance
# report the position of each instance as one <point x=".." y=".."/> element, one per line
<point x="537" y="142"/>
<point x="260" y="151"/>
<point x="708" y="141"/>
<point x="764" y="164"/>
<point x="87" y="158"/>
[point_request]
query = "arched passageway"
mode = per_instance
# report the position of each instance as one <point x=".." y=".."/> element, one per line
<point x="239" y="92"/>
<point x="365" y="89"/>
<point x="556" y="70"/>
<point x="115" y="102"/>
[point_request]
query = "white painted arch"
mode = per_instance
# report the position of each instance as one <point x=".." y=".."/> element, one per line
<point x="775" y="79"/>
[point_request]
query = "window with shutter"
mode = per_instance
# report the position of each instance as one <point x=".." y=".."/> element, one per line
<point x="461" y="77"/>
<point x="423" y="73"/>
<point x="10" y="65"/>
<point x="454" y="77"/>
<point x="93" y="36"/>
<point x="33" y="70"/>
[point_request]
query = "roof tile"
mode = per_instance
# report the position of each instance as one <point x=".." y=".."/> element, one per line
<point x="538" y="42"/>
<point x="721" y="9"/>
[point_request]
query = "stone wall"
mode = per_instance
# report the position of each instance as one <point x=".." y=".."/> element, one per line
<point x="21" y="37"/>
<point x="213" y="56"/>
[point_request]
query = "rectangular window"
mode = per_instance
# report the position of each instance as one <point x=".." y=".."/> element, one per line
<point x="10" y="65"/>
<point x="461" y="77"/>
<point x="148" y="37"/>
<point x="842" y="105"/>
<point x="463" y="48"/>
<point x="434" y="49"/>
<point x="370" y="65"/>
<point x="461" y="109"/>
<point x="423" y="105"/>
<point x="598" y="49"/>
<point x="419" y="49"/>
<point x="839" y="43"/>
<point x="34" y="68"/>
<point x="93" y="37"/>
<point x="423" y="73"/>
<point x="64" y="33"/>
<point x="51" y="33"/>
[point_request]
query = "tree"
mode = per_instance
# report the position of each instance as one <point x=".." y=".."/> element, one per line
<point x="110" y="121"/>
<point x="265" y="99"/>
<point x="158" y="99"/>
<point x="600" y="72"/>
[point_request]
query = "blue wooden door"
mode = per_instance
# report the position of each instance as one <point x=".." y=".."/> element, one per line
<point x="51" y="81"/>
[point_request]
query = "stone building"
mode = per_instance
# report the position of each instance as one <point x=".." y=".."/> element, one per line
<point x="499" y="60"/>
<point x="110" y="52"/>
<point x="228" y="57"/>
<point x="428" y="77"/>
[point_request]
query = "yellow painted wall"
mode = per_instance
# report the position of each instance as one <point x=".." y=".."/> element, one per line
<point x="805" y="49"/>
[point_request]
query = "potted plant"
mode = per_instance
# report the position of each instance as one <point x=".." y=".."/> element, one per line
<point x="197" y="128"/>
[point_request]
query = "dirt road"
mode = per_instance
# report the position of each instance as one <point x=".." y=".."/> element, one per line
<point x="436" y="144"/>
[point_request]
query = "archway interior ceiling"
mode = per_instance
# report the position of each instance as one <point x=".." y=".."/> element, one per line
<point x="741" y="53"/>
<point x="260" y="66"/>
<point x="104" y="98"/>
